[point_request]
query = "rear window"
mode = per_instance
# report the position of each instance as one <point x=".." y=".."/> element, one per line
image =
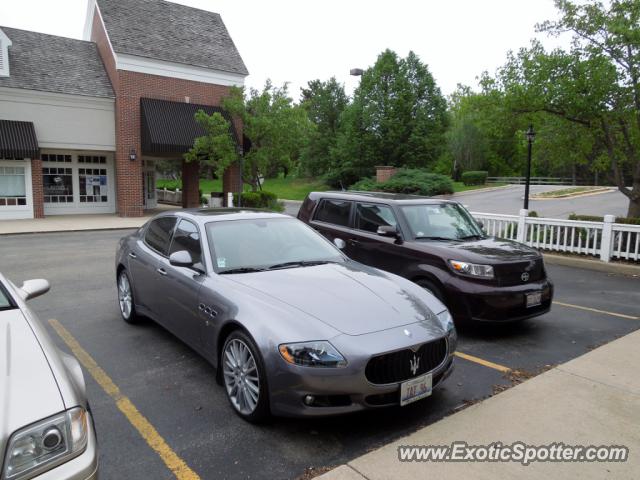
<point x="158" y="234"/>
<point x="336" y="212"/>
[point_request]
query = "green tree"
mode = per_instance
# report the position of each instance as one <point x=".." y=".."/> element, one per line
<point x="324" y="103"/>
<point x="277" y="130"/>
<point x="216" y="148"/>
<point x="594" y="85"/>
<point x="398" y="117"/>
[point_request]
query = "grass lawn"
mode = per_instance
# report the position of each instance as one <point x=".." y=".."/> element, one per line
<point x="461" y="187"/>
<point x="289" y="188"/>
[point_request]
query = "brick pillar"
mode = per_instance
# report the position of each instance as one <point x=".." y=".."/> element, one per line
<point x="37" y="188"/>
<point x="384" y="173"/>
<point x="231" y="182"/>
<point x="190" y="184"/>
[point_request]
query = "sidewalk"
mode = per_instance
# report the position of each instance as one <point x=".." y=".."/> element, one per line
<point x="591" y="400"/>
<point x="71" y="223"/>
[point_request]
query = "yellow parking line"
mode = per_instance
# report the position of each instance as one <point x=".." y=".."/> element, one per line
<point x="589" y="309"/>
<point x="485" y="363"/>
<point x="179" y="468"/>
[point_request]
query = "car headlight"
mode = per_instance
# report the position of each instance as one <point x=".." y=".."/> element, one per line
<point x="46" y="444"/>
<point x="312" y="354"/>
<point x="446" y="320"/>
<point x="473" y="269"/>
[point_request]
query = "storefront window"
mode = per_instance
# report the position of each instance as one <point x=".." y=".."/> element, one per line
<point x="12" y="186"/>
<point x="58" y="185"/>
<point x="93" y="185"/>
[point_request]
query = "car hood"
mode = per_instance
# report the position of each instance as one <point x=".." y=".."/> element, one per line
<point x="489" y="250"/>
<point x="350" y="298"/>
<point x="28" y="389"/>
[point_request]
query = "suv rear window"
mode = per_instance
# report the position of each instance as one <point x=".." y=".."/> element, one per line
<point x="158" y="234"/>
<point x="336" y="212"/>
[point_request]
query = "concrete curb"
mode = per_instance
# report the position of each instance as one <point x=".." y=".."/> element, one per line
<point x="588" y="264"/>
<point x="37" y="232"/>
<point x="577" y="195"/>
<point x="475" y="190"/>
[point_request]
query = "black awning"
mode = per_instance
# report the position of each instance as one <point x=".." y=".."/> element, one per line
<point x="170" y="128"/>
<point x="18" y="140"/>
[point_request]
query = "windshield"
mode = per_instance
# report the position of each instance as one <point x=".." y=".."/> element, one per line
<point x="444" y="221"/>
<point x="249" y="245"/>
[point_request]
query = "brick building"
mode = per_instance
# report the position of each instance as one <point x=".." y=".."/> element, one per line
<point x="83" y="122"/>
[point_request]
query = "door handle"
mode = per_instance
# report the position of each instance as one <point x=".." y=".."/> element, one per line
<point x="133" y="255"/>
<point x="354" y="243"/>
<point x="161" y="271"/>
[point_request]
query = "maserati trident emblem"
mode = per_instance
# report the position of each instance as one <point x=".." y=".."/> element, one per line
<point x="414" y="364"/>
<point x="525" y="277"/>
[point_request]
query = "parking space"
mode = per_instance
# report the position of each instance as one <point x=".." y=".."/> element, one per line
<point x="169" y="418"/>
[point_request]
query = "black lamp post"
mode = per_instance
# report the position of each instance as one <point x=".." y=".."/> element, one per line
<point x="531" y="135"/>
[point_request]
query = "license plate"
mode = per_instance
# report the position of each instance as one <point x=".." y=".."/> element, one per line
<point x="534" y="299"/>
<point x="415" y="389"/>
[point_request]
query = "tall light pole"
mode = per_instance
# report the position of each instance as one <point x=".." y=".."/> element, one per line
<point x="356" y="72"/>
<point x="531" y="135"/>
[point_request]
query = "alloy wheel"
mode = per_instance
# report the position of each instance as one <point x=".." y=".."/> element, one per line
<point x="241" y="376"/>
<point x="124" y="296"/>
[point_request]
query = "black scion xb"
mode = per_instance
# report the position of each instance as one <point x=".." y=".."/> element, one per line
<point x="437" y="244"/>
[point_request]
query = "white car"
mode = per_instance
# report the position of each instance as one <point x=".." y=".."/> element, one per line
<point x="46" y="429"/>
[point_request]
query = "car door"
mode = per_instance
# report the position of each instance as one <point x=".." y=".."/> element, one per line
<point x="366" y="246"/>
<point x="144" y="260"/>
<point x="332" y="218"/>
<point x="179" y="287"/>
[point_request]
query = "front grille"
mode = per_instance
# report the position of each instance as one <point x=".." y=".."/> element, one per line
<point x="509" y="274"/>
<point x="397" y="366"/>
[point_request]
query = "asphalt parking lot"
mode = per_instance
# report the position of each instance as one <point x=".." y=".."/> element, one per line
<point x="188" y="429"/>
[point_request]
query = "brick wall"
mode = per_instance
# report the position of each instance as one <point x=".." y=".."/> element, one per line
<point x="384" y="173"/>
<point x="37" y="188"/>
<point x="130" y="87"/>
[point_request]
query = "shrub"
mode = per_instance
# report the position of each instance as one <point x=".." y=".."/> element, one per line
<point x="409" y="181"/>
<point x="261" y="199"/>
<point x="595" y="218"/>
<point x="474" y="177"/>
<point x="342" y="178"/>
<point x="169" y="184"/>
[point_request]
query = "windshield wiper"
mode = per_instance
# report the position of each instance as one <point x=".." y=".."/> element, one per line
<point x="299" y="263"/>
<point x="437" y="238"/>
<point x="242" y="270"/>
<point x="472" y="236"/>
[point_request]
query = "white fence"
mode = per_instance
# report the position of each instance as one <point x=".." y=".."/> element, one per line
<point x="169" y="196"/>
<point x="533" y="180"/>
<point x="605" y="240"/>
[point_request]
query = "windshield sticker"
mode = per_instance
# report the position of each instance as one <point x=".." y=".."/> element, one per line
<point x="222" y="262"/>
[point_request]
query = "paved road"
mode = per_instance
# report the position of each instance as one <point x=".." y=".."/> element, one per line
<point x="175" y="389"/>
<point x="509" y="201"/>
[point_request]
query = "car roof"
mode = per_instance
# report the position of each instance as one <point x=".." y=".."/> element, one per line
<point x="222" y="214"/>
<point x="396" y="198"/>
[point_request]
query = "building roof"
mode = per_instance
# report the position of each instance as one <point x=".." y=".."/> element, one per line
<point x="170" y="32"/>
<point x="170" y="128"/>
<point x="18" y="140"/>
<point x="55" y="64"/>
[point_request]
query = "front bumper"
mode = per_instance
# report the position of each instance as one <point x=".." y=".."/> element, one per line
<point x="82" y="467"/>
<point x="473" y="301"/>
<point x="346" y="390"/>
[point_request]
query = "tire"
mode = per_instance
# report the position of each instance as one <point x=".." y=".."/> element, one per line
<point x="125" y="298"/>
<point x="432" y="288"/>
<point x="244" y="378"/>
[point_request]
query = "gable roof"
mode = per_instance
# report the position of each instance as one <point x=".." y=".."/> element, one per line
<point x="55" y="64"/>
<point x="170" y="32"/>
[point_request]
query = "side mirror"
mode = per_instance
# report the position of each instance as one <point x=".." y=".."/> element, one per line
<point x="388" y="231"/>
<point x="340" y="243"/>
<point x="181" y="258"/>
<point x="34" y="288"/>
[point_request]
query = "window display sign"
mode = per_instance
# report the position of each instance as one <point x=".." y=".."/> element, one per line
<point x="58" y="184"/>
